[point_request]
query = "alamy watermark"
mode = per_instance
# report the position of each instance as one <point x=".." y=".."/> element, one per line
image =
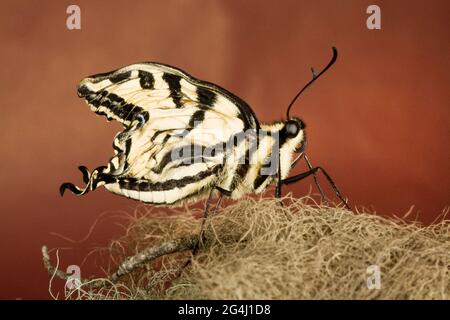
<point x="73" y="21"/>
<point x="245" y="147"/>
<point x="374" y="20"/>
<point x="374" y="278"/>
<point x="73" y="282"/>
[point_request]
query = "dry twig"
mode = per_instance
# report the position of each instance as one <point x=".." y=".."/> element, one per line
<point x="130" y="264"/>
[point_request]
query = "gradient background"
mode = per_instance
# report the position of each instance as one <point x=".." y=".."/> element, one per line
<point x="378" y="120"/>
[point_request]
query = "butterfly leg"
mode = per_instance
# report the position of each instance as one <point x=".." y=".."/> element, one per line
<point x="278" y="187"/>
<point x="205" y="216"/>
<point x="316" y="181"/>
<point x="312" y="171"/>
<point x="279" y="184"/>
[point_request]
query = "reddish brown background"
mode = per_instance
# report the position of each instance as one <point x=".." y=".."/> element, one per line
<point x="378" y="121"/>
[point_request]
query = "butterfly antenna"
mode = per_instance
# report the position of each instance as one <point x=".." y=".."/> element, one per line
<point x="315" y="77"/>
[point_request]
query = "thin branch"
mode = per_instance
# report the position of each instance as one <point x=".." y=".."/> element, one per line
<point x="129" y="264"/>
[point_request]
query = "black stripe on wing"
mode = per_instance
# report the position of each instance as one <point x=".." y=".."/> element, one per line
<point x="118" y="108"/>
<point x="146" y="186"/>
<point x="206" y="97"/>
<point x="146" y="80"/>
<point x="173" y="81"/>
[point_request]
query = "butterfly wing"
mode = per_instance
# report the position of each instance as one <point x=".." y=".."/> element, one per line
<point x="124" y="93"/>
<point x="175" y="130"/>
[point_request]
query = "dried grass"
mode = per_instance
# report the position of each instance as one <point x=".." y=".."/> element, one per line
<point x="257" y="249"/>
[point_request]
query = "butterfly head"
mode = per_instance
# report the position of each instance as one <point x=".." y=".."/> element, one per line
<point x="293" y="134"/>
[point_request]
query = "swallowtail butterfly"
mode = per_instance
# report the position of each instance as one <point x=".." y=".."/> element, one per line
<point x="184" y="138"/>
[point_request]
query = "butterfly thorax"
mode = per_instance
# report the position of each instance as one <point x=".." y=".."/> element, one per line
<point x="257" y="162"/>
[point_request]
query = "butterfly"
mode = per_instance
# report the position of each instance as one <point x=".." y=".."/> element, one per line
<point x="185" y="139"/>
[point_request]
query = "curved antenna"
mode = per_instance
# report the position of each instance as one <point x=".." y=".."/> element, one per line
<point x="315" y="77"/>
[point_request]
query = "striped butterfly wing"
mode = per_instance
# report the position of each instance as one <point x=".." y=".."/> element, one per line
<point x="175" y="127"/>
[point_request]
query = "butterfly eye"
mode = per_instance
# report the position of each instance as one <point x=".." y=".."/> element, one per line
<point x="292" y="128"/>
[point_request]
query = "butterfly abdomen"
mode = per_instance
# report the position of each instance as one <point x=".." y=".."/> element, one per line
<point x="171" y="191"/>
